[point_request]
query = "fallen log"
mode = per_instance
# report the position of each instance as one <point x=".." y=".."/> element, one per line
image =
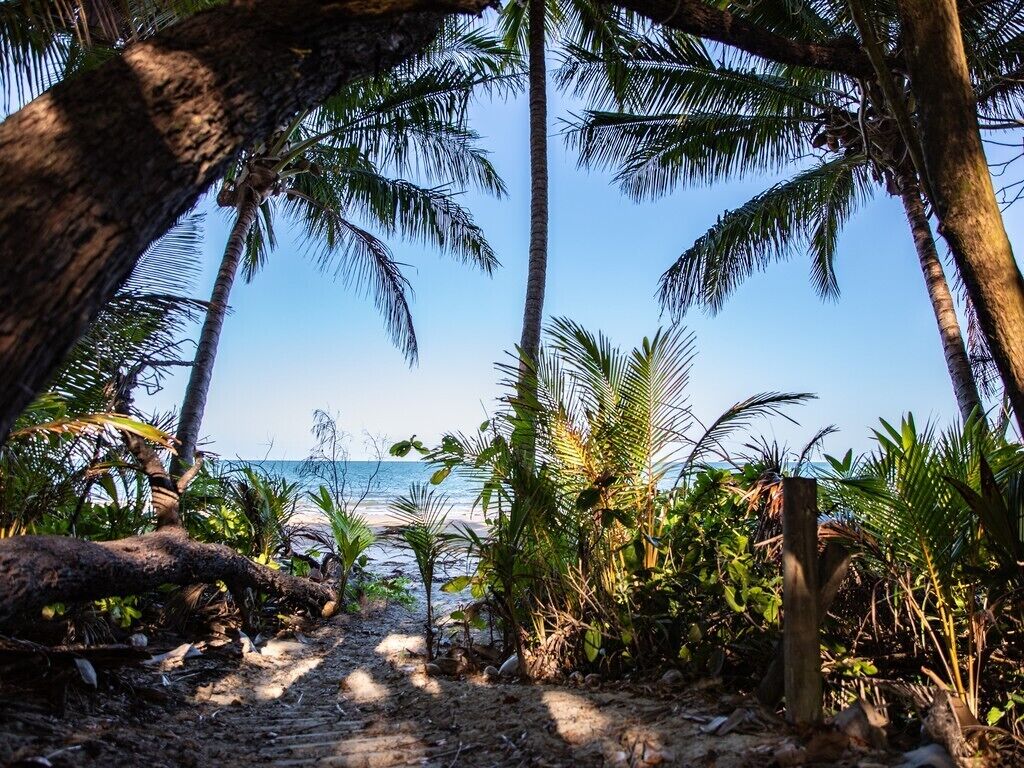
<point x="15" y="652"/>
<point x="39" y="570"/>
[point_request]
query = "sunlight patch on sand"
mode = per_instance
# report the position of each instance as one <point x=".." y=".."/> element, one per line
<point x="260" y="678"/>
<point x="576" y="719"/>
<point x="396" y="644"/>
<point x="362" y="688"/>
<point x="426" y="684"/>
<point x="285" y="677"/>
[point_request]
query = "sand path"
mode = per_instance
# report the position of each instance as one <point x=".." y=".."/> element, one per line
<point x="352" y="692"/>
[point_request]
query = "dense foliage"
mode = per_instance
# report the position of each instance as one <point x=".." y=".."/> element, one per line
<point x="629" y="546"/>
<point x="621" y="535"/>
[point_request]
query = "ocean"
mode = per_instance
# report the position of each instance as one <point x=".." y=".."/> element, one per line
<point x="381" y="483"/>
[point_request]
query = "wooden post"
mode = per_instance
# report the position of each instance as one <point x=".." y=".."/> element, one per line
<point x="800" y="609"/>
<point x="833" y="565"/>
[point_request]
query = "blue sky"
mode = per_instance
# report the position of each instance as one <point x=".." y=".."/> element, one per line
<point x="297" y="340"/>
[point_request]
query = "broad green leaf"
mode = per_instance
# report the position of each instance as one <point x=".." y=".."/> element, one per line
<point x="457" y="584"/>
<point x="588" y="498"/>
<point x="730" y="598"/>
<point x="592" y="643"/>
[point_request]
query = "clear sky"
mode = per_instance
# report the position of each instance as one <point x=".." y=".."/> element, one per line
<point x="297" y="341"/>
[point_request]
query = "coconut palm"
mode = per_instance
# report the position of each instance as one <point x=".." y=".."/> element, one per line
<point x="423" y="527"/>
<point x="528" y="26"/>
<point x="693" y="119"/>
<point x="338" y="168"/>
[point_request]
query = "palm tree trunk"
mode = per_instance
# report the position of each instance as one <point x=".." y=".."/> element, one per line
<point x="429" y="584"/>
<point x="194" y="405"/>
<point x="73" y="220"/>
<point x="536" y="279"/>
<point x="965" y="201"/>
<point x="533" y="313"/>
<point x="964" y="386"/>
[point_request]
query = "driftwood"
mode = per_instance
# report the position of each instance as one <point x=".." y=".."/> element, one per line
<point x="39" y="570"/>
<point x="19" y="654"/>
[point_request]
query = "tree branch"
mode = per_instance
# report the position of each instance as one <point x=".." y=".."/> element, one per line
<point x="696" y="17"/>
<point x="103" y="164"/>
<point x="39" y="570"/>
<point x="189" y="474"/>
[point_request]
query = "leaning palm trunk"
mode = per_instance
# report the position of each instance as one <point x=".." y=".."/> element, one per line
<point x="194" y="405"/>
<point x="955" y="351"/>
<point x="961" y="183"/>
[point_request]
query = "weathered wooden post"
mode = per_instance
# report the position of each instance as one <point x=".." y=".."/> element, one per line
<point x="833" y="565"/>
<point x="800" y="618"/>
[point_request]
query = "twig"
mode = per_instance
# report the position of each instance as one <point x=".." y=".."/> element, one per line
<point x="62" y="751"/>
<point x="457" y="753"/>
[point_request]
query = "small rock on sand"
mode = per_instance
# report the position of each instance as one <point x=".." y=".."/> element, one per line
<point x="671" y="678"/>
<point x="510" y="667"/>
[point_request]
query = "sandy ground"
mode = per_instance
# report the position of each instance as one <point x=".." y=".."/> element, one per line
<point x="352" y="692"/>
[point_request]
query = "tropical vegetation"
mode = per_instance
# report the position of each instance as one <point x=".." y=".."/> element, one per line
<point x="684" y="114"/>
<point x="622" y="538"/>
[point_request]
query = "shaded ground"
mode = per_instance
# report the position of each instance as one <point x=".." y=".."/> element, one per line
<point x="352" y="693"/>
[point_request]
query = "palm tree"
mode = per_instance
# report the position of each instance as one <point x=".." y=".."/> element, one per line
<point x="527" y="26"/>
<point x="423" y="528"/>
<point x="339" y="163"/>
<point x="692" y="120"/>
<point x="536" y="280"/>
<point x="43" y="41"/>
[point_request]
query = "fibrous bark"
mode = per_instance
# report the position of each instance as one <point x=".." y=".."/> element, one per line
<point x="703" y="19"/>
<point x="194" y="405"/>
<point x="39" y="570"/>
<point x="953" y="347"/>
<point x="965" y="202"/>
<point x="103" y="164"/>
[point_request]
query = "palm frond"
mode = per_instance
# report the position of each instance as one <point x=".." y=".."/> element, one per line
<point x="662" y="78"/>
<point x="422" y="515"/>
<point x="426" y="215"/>
<point x="361" y="260"/>
<point x="172" y="263"/>
<point x="90" y="424"/>
<point x="738" y="417"/>
<point x="805" y="211"/>
<point x="655" y="153"/>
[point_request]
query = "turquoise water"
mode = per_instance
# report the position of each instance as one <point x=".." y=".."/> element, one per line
<point x="380" y="482"/>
